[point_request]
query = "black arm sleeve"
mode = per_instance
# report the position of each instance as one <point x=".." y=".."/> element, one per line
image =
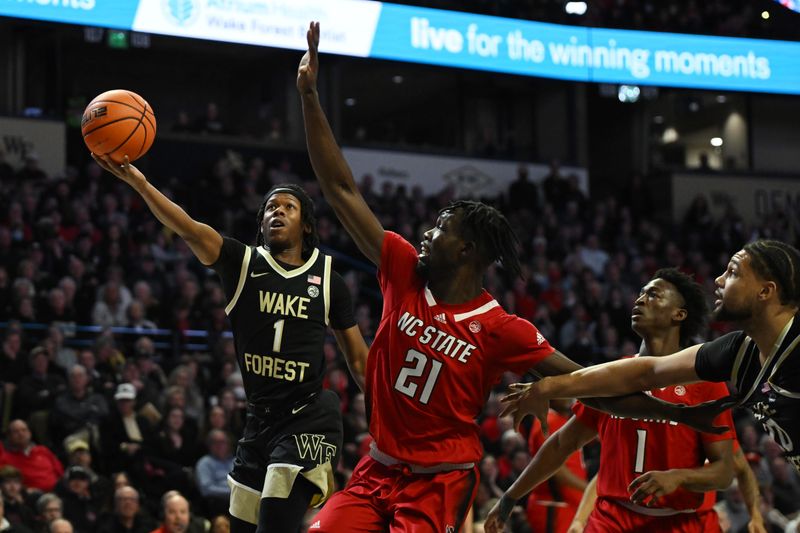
<point x="715" y="359"/>
<point x="229" y="265"/>
<point x="341" y="311"/>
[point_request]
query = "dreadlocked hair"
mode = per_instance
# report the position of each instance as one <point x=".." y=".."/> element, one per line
<point x="310" y="239"/>
<point x="779" y="262"/>
<point x="490" y="231"/>
<point x="694" y="301"/>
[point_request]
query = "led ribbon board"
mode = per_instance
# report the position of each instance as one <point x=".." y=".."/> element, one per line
<point x="450" y="39"/>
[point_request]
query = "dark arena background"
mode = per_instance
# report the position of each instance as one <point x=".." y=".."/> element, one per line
<point x="618" y="137"/>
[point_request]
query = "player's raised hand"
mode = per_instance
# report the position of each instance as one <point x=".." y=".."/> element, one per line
<point x="650" y="486"/>
<point x="126" y="172"/>
<point x="523" y="400"/>
<point x="756" y="525"/>
<point x="309" y="64"/>
<point x="701" y="417"/>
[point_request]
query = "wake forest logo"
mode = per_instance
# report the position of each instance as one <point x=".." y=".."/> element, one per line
<point x="312" y="446"/>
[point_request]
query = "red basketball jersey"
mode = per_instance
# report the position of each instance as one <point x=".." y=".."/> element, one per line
<point x="631" y="447"/>
<point x="431" y="365"/>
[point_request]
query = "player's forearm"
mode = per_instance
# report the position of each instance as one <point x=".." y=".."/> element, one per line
<point x="356" y="364"/>
<point x="748" y="485"/>
<point x="711" y="477"/>
<point x="550" y="457"/>
<point x="566" y="478"/>
<point x="637" y="405"/>
<point x="202" y="239"/>
<point x="617" y="378"/>
<point x="330" y="166"/>
<point x="586" y="506"/>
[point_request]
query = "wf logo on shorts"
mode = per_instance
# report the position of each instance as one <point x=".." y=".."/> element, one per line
<point x="313" y="447"/>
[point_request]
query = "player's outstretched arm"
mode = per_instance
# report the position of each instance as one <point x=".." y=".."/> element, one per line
<point x="355" y="352"/>
<point x="748" y="486"/>
<point x="551" y="456"/>
<point x="333" y="173"/>
<point x="203" y="240"/>
<point x="585" y="508"/>
<point x="717" y="475"/>
<point x="568" y="377"/>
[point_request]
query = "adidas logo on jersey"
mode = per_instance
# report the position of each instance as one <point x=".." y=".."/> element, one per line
<point x="315" y="525"/>
<point x="440" y="318"/>
<point x="539" y="338"/>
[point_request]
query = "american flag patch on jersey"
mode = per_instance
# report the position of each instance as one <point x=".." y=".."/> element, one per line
<point x="316" y="280"/>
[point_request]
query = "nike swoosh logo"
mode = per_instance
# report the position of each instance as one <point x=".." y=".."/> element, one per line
<point x="298" y="409"/>
<point x="258" y="275"/>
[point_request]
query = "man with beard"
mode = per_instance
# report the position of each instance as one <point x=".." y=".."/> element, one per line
<point x="760" y="291"/>
<point x="443" y="342"/>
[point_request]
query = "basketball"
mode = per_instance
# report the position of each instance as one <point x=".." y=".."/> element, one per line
<point x="119" y="123"/>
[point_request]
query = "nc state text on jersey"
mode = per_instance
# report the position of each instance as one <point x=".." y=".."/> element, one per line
<point x="283" y="304"/>
<point x="436" y="339"/>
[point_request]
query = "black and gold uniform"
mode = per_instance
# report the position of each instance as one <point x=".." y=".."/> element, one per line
<point x="279" y="315"/>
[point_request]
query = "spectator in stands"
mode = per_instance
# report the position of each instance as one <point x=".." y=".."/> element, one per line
<point x="82" y="504"/>
<point x="19" y="502"/>
<point x="211" y="472"/>
<point x="8" y="527"/>
<point x="39" y="467"/>
<point x="128" y="515"/>
<point x="210" y="122"/>
<point x="523" y="193"/>
<point x="78" y="409"/>
<point x="63" y="356"/>
<point x="38" y="390"/>
<point x="175" y="509"/>
<point x="221" y="524"/>
<point x="125" y="433"/>
<point x="110" y="310"/>
<point x="49" y="508"/>
<point x="13" y="364"/>
<point x="137" y="318"/>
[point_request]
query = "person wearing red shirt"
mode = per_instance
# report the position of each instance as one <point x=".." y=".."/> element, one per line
<point x="652" y="475"/>
<point x="442" y="343"/>
<point x="39" y="467"/>
<point x="552" y="505"/>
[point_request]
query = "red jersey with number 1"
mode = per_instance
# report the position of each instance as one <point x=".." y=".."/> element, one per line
<point x="431" y="365"/>
<point x="631" y="447"/>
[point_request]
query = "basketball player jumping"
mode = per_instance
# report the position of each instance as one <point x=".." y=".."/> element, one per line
<point x="442" y="343"/>
<point x="282" y="294"/>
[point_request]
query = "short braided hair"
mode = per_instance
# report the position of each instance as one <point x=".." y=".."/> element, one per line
<point x="779" y="262"/>
<point x="490" y="231"/>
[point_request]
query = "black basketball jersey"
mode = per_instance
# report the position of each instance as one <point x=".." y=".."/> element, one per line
<point x="771" y="391"/>
<point x="279" y="319"/>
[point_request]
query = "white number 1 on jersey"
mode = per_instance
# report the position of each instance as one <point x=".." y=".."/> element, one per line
<point x="638" y="467"/>
<point x="408" y="387"/>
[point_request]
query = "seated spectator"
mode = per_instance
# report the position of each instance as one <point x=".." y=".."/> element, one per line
<point x="39" y="467"/>
<point x="125" y="432"/>
<point x="8" y="527"/>
<point x="78" y="454"/>
<point x="19" y="502"/>
<point x="77" y="410"/>
<point x="49" y="508"/>
<point x="37" y="391"/>
<point x="82" y="505"/>
<point x="13" y="364"/>
<point x="211" y="472"/>
<point x="128" y="516"/>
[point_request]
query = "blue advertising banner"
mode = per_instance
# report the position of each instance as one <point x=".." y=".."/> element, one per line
<point x="450" y="39"/>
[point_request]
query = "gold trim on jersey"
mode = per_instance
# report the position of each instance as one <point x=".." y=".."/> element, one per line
<point x="288" y="273"/>
<point x="326" y="288"/>
<point x="245" y="502"/>
<point x="242" y="279"/>
<point x="281" y="477"/>
<point x="772" y="354"/>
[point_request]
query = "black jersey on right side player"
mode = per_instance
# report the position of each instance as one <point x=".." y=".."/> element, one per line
<point x="279" y="314"/>
<point x="771" y="391"/>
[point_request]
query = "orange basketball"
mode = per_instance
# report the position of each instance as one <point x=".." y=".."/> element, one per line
<point x="119" y="123"/>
